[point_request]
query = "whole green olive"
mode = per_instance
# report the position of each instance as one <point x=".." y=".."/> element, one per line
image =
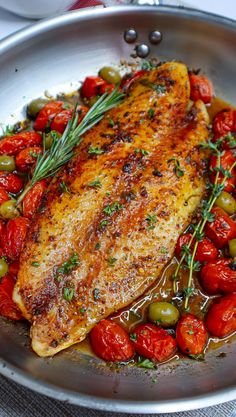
<point x="8" y="210"/>
<point x="7" y="163"/>
<point x="110" y="75"/>
<point x="232" y="247"/>
<point x="3" y="267"/>
<point x="163" y="313"/>
<point x="227" y="202"/>
<point x="50" y="137"/>
<point x="35" y="106"/>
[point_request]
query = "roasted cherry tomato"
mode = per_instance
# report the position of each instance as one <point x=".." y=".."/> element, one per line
<point x="221" y="317"/>
<point x="13" y="237"/>
<point x="14" y="269"/>
<point x="201" y="88"/>
<point x="46" y="114"/>
<point x="33" y="198"/>
<point x="226" y="161"/>
<point x="129" y="79"/>
<point x="27" y="158"/>
<point x="8" y="308"/>
<point x="206" y="251"/>
<point x="191" y="335"/>
<point x="111" y="342"/>
<point x="3" y="195"/>
<point x="106" y="88"/>
<point x="60" y="121"/>
<point x="224" y="122"/>
<point x="12" y="145"/>
<point x="10" y="182"/>
<point x="219" y="276"/>
<point x="153" y="342"/>
<point x="222" y="229"/>
<point x="91" y="86"/>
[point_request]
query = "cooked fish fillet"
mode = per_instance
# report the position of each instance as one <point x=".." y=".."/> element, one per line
<point x="126" y="206"/>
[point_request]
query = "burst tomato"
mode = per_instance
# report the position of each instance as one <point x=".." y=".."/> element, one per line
<point x="46" y="114"/>
<point x="153" y="342"/>
<point x="106" y="88"/>
<point x="10" y="182"/>
<point x="201" y="88"/>
<point x="191" y="335"/>
<point x="3" y="195"/>
<point x="12" y="145"/>
<point x="111" y="342"/>
<point x="60" y="121"/>
<point x="91" y="86"/>
<point x="206" y="251"/>
<point x="226" y="161"/>
<point x="128" y="80"/>
<point x="27" y="158"/>
<point x="224" y="122"/>
<point x="13" y="237"/>
<point x="8" y="308"/>
<point x="33" y="198"/>
<point x="219" y="276"/>
<point x="221" y="317"/>
<point x="222" y="229"/>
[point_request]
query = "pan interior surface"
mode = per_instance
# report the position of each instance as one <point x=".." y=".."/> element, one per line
<point x="54" y="56"/>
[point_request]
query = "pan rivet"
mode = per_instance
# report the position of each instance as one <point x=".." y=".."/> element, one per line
<point x="142" y="50"/>
<point x="155" y="37"/>
<point x="130" y="35"/>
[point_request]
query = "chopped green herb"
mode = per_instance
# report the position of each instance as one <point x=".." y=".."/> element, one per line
<point x="146" y="65"/>
<point x="95" y="150"/>
<point x="151" y="219"/>
<point x="111" y="122"/>
<point x="66" y="106"/>
<point x="103" y="223"/>
<point x="151" y="113"/>
<point x="177" y="169"/>
<point x="188" y="292"/>
<point x="133" y="337"/>
<point x="95" y="184"/>
<point x="159" y="88"/>
<point x="68" y="293"/>
<point x="36" y="264"/>
<point x="82" y="310"/>
<point x="109" y="210"/>
<point x="96" y="294"/>
<point x="69" y="265"/>
<point x="97" y="246"/>
<point x="199" y="357"/>
<point x="190" y="332"/>
<point x="33" y="154"/>
<point x="163" y="250"/>
<point x="145" y="363"/>
<point x="142" y="151"/>
<point x="64" y="187"/>
<point x="111" y="260"/>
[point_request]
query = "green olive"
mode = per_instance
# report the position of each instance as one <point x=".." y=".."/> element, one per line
<point x="227" y="202"/>
<point x="50" y="137"/>
<point x="232" y="248"/>
<point x="35" y="106"/>
<point x="110" y="75"/>
<point x="163" y="313"/>
<point x="7" y="163"/>
<point x="8" y="210"/>
<point x="3" y="267"/>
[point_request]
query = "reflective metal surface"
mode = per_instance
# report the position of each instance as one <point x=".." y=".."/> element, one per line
<point x="54" y="55"/>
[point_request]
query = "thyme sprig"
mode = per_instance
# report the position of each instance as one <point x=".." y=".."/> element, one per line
<point x="189" y="255"/>
<point x="61" y="151"/>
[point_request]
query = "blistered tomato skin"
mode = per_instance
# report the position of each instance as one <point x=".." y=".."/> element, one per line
<point x="10" y="182"/>
<point x="226" y="161"/>
<point x="153" y="342"/>
<point x="224" y="122"/>
<point x="46" y="115"/>
<point x="221" y="317"/>
<point x="33" y="198"/>
<point x="201" y="88"/>
<point x="206" y="250"/>
<point x="8" y="308"/>
<point x="13" y="237"/>
<point x="91" y="86"/>
<point x="222" y="229"/>
<point x="217" y="277"/>
<point x="111" y="342"/>
<point x="27" y="158"/>
<point x="12" y="145"/>
<point x="191" y="335"/>
<point x="3" y="195"/>
<point x="60" y="121"/>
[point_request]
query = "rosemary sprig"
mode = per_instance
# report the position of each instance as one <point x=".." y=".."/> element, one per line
<point x="206" y="216"/>
<point x="61" y="150"/>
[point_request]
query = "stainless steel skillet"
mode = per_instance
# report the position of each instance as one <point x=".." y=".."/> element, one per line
<point x="54" y="55"/>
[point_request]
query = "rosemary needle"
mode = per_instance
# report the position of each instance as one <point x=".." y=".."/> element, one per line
<point x="61" y="150"/>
